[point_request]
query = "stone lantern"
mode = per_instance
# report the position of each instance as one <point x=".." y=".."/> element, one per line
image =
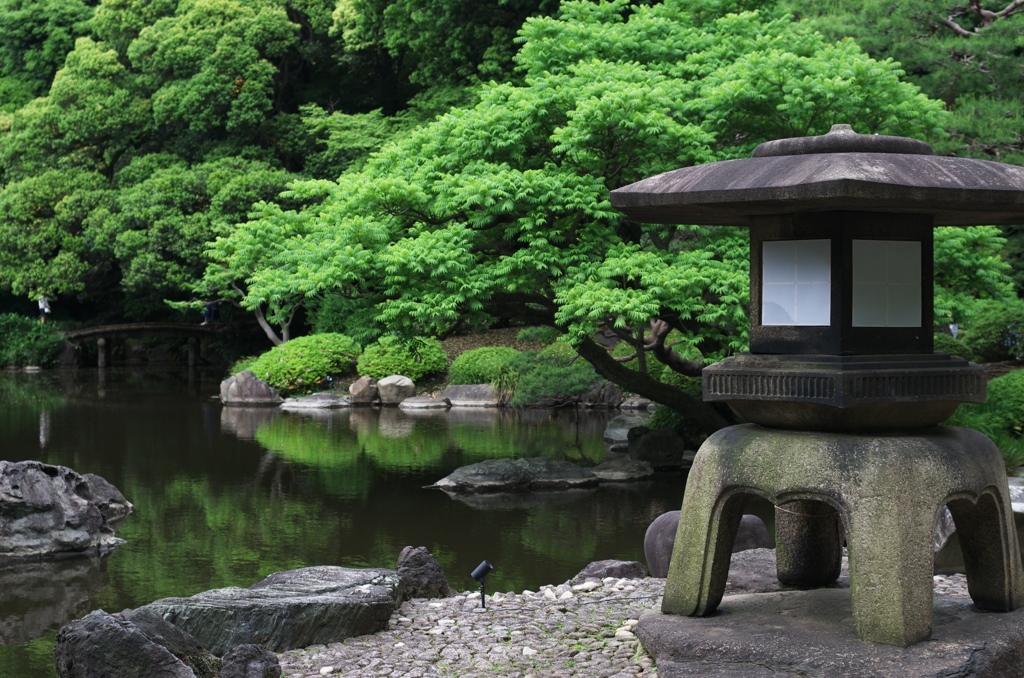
<point x="841" y="385"/>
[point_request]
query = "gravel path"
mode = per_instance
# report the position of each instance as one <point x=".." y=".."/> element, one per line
<point x="583" y="630"/>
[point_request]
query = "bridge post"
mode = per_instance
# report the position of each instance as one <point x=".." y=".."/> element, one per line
<point x="192" y="346"/>
<point x="101" y="348"/>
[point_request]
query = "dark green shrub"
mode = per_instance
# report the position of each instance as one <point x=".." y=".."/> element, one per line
<point x="414" y="358"/>
<point x="306" y="364"/>
<point x="996" y="332"/>
<point x="1001" y="418"/>
<point x="551" y="375"/>
<point x="481" y="365"/>
<point x="341" y="315"/>
<point x="947" y="344"/>
<point x="540" y="334"/>
<point x="25" y="341"/>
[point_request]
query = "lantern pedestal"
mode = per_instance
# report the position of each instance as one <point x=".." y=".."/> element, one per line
<point x="886" y="491"/>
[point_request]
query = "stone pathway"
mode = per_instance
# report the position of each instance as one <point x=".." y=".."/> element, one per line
<point x="583" y="630"/>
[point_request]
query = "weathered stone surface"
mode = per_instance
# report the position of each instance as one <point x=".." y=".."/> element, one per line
<point x="395" y="389"/>
<point x="622" y="569"/>
<point x="317" y="401"/>
<point x="52" y="510"/>
<point x="472" y="395"/>
<point x="636" y="403"/>
<point x="605" y="395"/>
<point x="424" y="403"/>
<point x="623" y="470"/>
<point x="297" y="608"/>
<point x="129" y="645"/>
<point x="250" y="661"/>
<point x="363" y="391"/>
<point x="504" y="475"/>
<point x="246" y="389"/>
<point x="421" y="574"/>
<point x="617" y="430"/>
<point x="661" y="538"/>
<point x="663" y="448"/>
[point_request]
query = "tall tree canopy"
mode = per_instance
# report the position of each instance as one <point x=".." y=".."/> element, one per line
<point x="500" y="209"/>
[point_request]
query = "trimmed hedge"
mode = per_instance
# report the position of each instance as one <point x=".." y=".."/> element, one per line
<point x="415" y="358"/>
<point x="305" y="364"/>
<point x="481" y="365"/>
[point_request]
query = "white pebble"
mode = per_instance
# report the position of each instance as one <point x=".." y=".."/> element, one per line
<point x="566" y="596"/>
<point x="587" y="586"/>
<point x="529" y="652"/>
<point x="327" y="669"/>
<point x="549" y="594"/>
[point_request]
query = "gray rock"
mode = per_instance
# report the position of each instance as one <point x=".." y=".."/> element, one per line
<point x="661" y="537"/>
<point x="505" y="475"/>
<point x="617" y="430"/>
<point x="604" y="395"/>
<point x="250" y="661"/>
<point x="297" y="608"/>
<point x="246" y="389"/>
<point x="636" y="403"/>
<point x="50" y="510"/>
<point x="663" y="448"/>
<point x="472" y="395"/>
<point x="623" y="569"/>
<point x="421" y="575"/>
<point x="623" y="470"/>
<point x="244" y="422"/>
<point x="424" y="403"/>
<point x="128" y="645"/>
<point x="395" y="389"/>
<point x="363" y="391"/>
<point x="317" y="401"/>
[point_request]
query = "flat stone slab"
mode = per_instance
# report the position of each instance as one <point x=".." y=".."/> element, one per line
<point x="287" y="610"/>
<point x="810" y="633"/>
<point x="317" y="401"/>
<point x="517" y="475"/>
<point x="424" y="403"/>
<point x="472" y="395"/>
<point x="623" y="470"/>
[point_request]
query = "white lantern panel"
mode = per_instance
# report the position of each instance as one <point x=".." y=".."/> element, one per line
<point x="886" y="283"/>
<point x="796" y="282"/>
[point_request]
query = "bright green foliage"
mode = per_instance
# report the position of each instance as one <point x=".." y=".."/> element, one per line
<point x="968" y="270"/>
<point x="306" y="364"/>
<point x="480" y="365"/>
<point x="26" y="341"/>
<point x="414" y="358"/>
<point x="947" y="344"/>
<point x="996" y="332"/>
<point x="501" y="209"/>
<point x="35" y="36"/>
<point x="965" y="54"/>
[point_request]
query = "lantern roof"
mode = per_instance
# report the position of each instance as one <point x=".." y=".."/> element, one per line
<point x="838" y="171"/>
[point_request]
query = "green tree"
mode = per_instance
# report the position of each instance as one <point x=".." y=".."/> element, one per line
<point x="500" y="209"/>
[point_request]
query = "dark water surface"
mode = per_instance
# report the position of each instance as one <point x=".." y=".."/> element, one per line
<point x="226" y="496"/>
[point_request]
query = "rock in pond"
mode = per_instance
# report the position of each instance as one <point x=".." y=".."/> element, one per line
<point x="616" y="432"/>
<point x="395" y="389"/>
<point x="251" y="661"/>
<point x="622" y="569"/>
<point x="508" y="475"/>
<point x="245" y="388"/>
<point x="48" y="510"/>
<point x="364" y="392"/>
<point x="623" y="470"/>
<point x="472" y="395"/>
<point x="130" y="644"/>
<point x="663" y="448"/>
<point x="288" y="610"/>
<point x="317" y="401"/>
<point x="424" y="403"/>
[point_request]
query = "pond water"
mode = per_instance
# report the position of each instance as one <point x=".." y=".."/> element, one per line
<point x="226" y="496"/>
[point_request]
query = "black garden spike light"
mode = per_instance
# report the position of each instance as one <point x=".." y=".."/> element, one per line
<point x="480" y="574"/>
